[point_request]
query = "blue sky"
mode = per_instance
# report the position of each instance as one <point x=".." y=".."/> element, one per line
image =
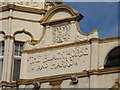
<point x="100" y="15"/>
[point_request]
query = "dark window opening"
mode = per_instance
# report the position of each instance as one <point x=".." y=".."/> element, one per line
<point x="1" y="48"/>
<point x="1" y="67"/>
<point x="16" y="71"/>
<point x="113" y="58"/>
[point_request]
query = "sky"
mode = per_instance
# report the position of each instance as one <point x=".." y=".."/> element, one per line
<point x="100" y="15"/>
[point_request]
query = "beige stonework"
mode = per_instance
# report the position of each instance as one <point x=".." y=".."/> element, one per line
<point x="54" y="47"/>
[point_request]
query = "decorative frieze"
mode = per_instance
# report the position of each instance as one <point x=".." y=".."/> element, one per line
<point x="30" y="3"/>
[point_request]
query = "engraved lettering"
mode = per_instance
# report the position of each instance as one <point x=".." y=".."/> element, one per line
<point x="61" y="59"/>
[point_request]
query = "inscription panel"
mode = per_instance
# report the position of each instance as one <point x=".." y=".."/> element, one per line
<point x="56" y="62"/>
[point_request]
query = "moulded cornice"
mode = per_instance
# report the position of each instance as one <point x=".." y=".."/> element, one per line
<point x="23" y="9"/>
<point x="57" y="79"/>
<point x="86" y="42"/>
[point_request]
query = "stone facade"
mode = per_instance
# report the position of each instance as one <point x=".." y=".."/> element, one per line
<point x="54" y="48"/>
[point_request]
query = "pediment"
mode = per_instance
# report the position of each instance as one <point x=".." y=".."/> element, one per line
<point x="61" y="27"/>
<point x="60" y="13"/>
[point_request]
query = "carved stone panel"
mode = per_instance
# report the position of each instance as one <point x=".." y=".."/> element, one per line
<point x="52" y="61"/>
<point x="60" y="34"/>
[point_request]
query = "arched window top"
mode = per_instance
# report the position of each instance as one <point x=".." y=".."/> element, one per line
<point x="113" y="58"/>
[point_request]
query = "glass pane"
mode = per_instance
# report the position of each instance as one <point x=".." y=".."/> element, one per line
<point x="16" y="52"/>
<point x="21" y="48"/>
<point x="1" y="66"/>
<point x="18" y="48"/>
<point x="20" y="53"/>
<point x="2" y="48"/>
<point x="16" y="70"/>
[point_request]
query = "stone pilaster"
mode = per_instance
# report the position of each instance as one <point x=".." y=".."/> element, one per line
<point x="72" y="30"/>
<point x="94" y="54"/>
<point x="8" y="58"/>
<point x="23" y="69"/>
<point x="94" y="62"/>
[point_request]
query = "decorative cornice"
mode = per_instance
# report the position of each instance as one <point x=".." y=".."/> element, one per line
<point x="9" y="36"/>
<point x="57" y="79"/>
<point x="92" y="40"/>
<point x="86" y="42"/>
<point x="112" y="39"/>
<point x="55" y="47"/>
<point x="58" y="21"/>
<point x="8" y="84"/>
<point x="30" y="20"/>
<point x="23" y="9"/>
<point x="4" y="18"/>
<point x="19" y="2"/>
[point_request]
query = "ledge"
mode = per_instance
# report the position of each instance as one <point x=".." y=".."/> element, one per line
<point x="23" y="9"/>
<point x="61" y="77"/>
<point x="97" y="40"/>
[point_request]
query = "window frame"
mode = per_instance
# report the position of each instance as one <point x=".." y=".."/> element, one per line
<point x="2" y="46"/>
<point x="17" y="57"/>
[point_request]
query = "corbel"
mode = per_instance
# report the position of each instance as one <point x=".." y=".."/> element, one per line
<point x="94" y="40"/>
<point x="56" y="84"/>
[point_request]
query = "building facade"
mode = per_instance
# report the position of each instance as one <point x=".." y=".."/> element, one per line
<point x="42" y="46"/>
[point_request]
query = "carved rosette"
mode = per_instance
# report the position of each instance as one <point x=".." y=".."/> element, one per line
<point x="60" y="34"/>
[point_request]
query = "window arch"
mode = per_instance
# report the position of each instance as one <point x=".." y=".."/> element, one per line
<point x="113" y="58"/>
